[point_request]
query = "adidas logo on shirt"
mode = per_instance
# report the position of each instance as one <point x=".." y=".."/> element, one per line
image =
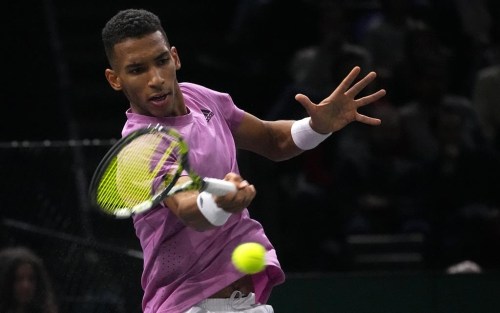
<point x="208" y="114"/>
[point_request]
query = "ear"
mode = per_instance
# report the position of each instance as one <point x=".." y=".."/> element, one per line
<point x="175" y="56"/>
<point x="113" y="79"/>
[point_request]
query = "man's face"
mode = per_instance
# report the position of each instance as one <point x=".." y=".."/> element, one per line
<point x="145" y="70"/>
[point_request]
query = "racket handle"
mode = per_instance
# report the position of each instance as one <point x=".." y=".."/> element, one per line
<point x="218" y="187"/>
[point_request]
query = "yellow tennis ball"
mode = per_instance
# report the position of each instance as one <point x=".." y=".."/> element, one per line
<point x="249" y="258"/>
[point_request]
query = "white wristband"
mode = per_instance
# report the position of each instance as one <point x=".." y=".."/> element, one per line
<point x="304" y="136"/>
<point x="215" y="215"/>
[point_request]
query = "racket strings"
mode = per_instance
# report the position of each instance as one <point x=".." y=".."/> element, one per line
<point x="107" y="193"/>
<point x="130" y="178"/>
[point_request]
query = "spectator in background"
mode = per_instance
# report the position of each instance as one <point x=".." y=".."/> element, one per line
<point x="370" y="174"/>
<point x="486" y="101"/>
<point x="25" y="286"/>
<point x="463" y="27"/>
<point x="426" y="77"/>
<point x="384" y="36"/>
<point x="313" y="68"/>
<point x="485" y="97"/>
<point x="462" y="187"/>
<point x="452" y="171"/>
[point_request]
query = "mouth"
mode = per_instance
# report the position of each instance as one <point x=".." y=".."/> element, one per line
<point x="158" y="99"/>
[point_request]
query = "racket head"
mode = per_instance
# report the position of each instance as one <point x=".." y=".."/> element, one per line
<point x="138" y="171"/>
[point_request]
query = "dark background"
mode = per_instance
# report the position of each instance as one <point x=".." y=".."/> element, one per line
<point x="60" y="117"/>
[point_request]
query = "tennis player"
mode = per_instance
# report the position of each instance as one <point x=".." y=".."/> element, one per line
<point x="188" y="240"/>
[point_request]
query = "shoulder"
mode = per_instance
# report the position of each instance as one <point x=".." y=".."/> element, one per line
<point x="209" y="102"/>
<point x="204" y="97"/>
<point x="192" y="89"/>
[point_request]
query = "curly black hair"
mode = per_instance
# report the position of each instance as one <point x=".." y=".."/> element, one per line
<point x="130" y="23"/>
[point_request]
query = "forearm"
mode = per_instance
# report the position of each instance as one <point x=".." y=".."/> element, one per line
<point x="280" y="140"/>
<point x="271" y="139"/>
<point x="184" y="206"/>
<point x="203" y="211"/>
<point x="280" y="145"/>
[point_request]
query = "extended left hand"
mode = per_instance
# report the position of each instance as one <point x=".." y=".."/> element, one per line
<point x="341" y="107"/>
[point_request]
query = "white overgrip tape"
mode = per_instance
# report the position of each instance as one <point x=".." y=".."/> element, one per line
<point x="215" y="215"/>
<point x="304" y="136"/>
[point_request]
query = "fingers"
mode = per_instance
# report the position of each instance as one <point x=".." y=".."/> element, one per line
<point x="368" y="120"/>
<point x="243" y="184"/>
<point x="244" y="196"/>
<point x="360" y="85"/>
<point x="239" y="200"/>
<point x="341" y="105"/>
<point x="349" y="79"/>
<point x="304" y="101"/>
<point x="371" y="98"/>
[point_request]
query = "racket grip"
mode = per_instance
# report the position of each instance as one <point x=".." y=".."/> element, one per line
<point x="218" y="187"/>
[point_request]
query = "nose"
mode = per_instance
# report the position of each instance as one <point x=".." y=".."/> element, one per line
<point x="156" y="78"/>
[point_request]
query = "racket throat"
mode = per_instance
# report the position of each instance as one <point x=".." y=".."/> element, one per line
<point x="141" y="207"/>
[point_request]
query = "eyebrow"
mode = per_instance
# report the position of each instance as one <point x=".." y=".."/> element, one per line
<point x="136" y="64"/>
<point x="133" y="66"/>
<point x="163" y="54"/>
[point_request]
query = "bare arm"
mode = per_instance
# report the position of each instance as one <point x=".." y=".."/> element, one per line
<point x="185" y="207"/>
<point x="273" y="139"/>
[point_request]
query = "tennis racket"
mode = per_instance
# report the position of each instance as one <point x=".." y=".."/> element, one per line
<point x="142" y="169"/>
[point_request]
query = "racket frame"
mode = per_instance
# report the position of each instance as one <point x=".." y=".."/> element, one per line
<point x="155" y="199"/>
<point x="213" y="185"/>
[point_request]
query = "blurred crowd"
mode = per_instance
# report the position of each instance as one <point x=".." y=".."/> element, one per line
<point x="433" y="165"/>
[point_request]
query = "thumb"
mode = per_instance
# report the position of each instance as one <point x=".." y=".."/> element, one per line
<point x="304" y="101"/>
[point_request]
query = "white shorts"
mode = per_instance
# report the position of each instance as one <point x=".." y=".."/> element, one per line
<point x="236" y="303"/>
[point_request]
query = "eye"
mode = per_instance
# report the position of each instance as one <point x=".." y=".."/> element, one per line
<point x="163" y="61"/>
<point x="136" y="70"/>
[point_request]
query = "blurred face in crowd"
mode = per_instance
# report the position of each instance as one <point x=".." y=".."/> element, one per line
<point x="24" y="284"/>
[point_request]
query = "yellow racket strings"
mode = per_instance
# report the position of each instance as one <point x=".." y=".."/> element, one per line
<point x="128" y="180"/>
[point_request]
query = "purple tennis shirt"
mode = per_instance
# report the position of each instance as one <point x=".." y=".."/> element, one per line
<point x="183" y="266"/>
